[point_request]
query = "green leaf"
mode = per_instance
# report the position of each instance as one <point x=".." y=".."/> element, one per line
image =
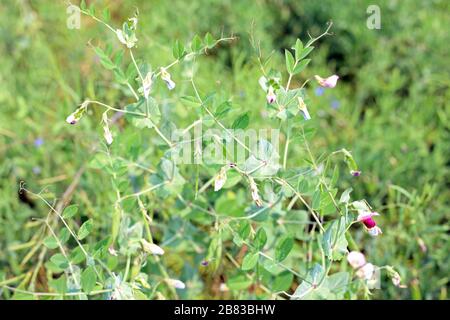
<point x="196" y="43"/>
<point x="250" y="261"/>
<point x="244" y="230"/>
<point x="289" y="61"/>
<point x="298" y="49"/>
<point x="283" y="247"/>
<point x="305" y="52"/>
<point x="70" y="211"/>
<point x="282" y="281"/>
<point x="300" y="66"/>
<point x="88" y="279"/>
<point x="209" y="41"/>
<point x="345" y="196"/>
<point x="60" y="284"/>
<point x="50" y="242"/>
<point x="260" y="239"/>
<point x="241" y="122"/>
<point x="316" y="200"/>
<point x="178" y="50"/>
<point x="60" y="261"/>
<point x="85" y="229"/>
<point x="239" y="282"/>
<point x="190" y="101"/>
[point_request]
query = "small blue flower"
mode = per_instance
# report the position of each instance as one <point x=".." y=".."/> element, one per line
<point x="36" y="170"/>
<point x="38" y="142"/>
<point x="319" y="91"/>
<point x="335" y="104"/>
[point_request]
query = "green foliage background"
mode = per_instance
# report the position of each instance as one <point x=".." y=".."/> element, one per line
<point x="393" y="114"/>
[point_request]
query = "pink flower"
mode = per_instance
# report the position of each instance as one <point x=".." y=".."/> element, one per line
<point x="271" y="97"/>
<point x="329" y="82"/>
<point x="356" y="259"/>
<point x="366" y="217"/>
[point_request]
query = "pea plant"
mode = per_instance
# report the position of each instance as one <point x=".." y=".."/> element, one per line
<point x="209" y="214"/>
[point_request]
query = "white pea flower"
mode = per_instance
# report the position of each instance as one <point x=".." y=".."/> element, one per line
<point x="303" y="108"/>
<point x="147" y="84"/>
<point x="106" y="132"/>
<point x="220" y="180"/>
<point x="151" y="248"/>
<point x="254" y="190"/>
<point x="263" y="83"/>
<point x="177" y="284"/>
<point x="128" y="39"/>
<point x="329" y="82"/>
<point x="165" y="76"/>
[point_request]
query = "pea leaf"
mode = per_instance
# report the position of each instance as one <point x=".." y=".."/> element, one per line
<point x="260" y="239"/>
<point x="289" y="61"/>
<point x="249" y="261"/>
<point x="70" y="211"/>
<point x="85" y="229"/>
<point x="88" y="279"/>
<point x="283" y="247"/>
<point x="241" y="122"/>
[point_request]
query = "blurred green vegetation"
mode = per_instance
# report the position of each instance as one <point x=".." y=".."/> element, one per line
<point x="390" y="108"/>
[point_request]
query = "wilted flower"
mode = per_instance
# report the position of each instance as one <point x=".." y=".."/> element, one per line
<point x="271" y="97"/>
<point x="303" y="108"/>
<point x="366" y="217"/>
<point x="106" y="132"/>
<point x="147" y="84"/>
<point x="220" y="180"/>
<point x="165" y="76"/>
<point x="254" y="190"/>
<point x="151" y="248"/>
<point x="329" y="82"/>
<point x="395" y="277"/>
<point x="76" y="116"/>
<point x="177" y="284"/>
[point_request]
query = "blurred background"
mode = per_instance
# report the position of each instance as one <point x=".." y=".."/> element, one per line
<point x="390" y="108"/>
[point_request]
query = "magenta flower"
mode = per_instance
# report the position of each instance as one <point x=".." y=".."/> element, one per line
<point x="366" y="217"/>
<point x="329" y="82"/>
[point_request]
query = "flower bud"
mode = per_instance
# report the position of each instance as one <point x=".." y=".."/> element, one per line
<point x="303" y="108"/>
<point x="177" y="284"/>
<point x="77" y="114"/>
<point x="356" y="259"/>
<point x="220" y="180"/>
<point x="151" y="248"/>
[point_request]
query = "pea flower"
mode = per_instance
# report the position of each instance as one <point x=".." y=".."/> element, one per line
<point x="106" y="132"/>
<point x="128" y="39"/>
<point x="254" y="190"/>
<point x="303" y="108"/>
<point x="38" y="142"/>
<point x="357" y="261"/>
<point x="355" y="173"/>
<point x="271" y="97"/>
<point x="319" y="91"/>
<point x="77" y="114"/>
<point x="147" y="84"/>
<point x="151" y="248"/>
<point x="329" y="82"/>
<point x="366" y="217"/>
<point x="395" y="277"/>
<point x="165" y="76"/>
<point x="220" y="180"/>
<point x="177" y="284"/>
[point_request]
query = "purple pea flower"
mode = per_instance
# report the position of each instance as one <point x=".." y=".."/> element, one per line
<point x="319" y="91"/>
<point x="38" y="142"/>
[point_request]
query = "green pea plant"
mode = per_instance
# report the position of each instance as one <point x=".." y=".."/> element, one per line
<point x="207" y="224"/>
